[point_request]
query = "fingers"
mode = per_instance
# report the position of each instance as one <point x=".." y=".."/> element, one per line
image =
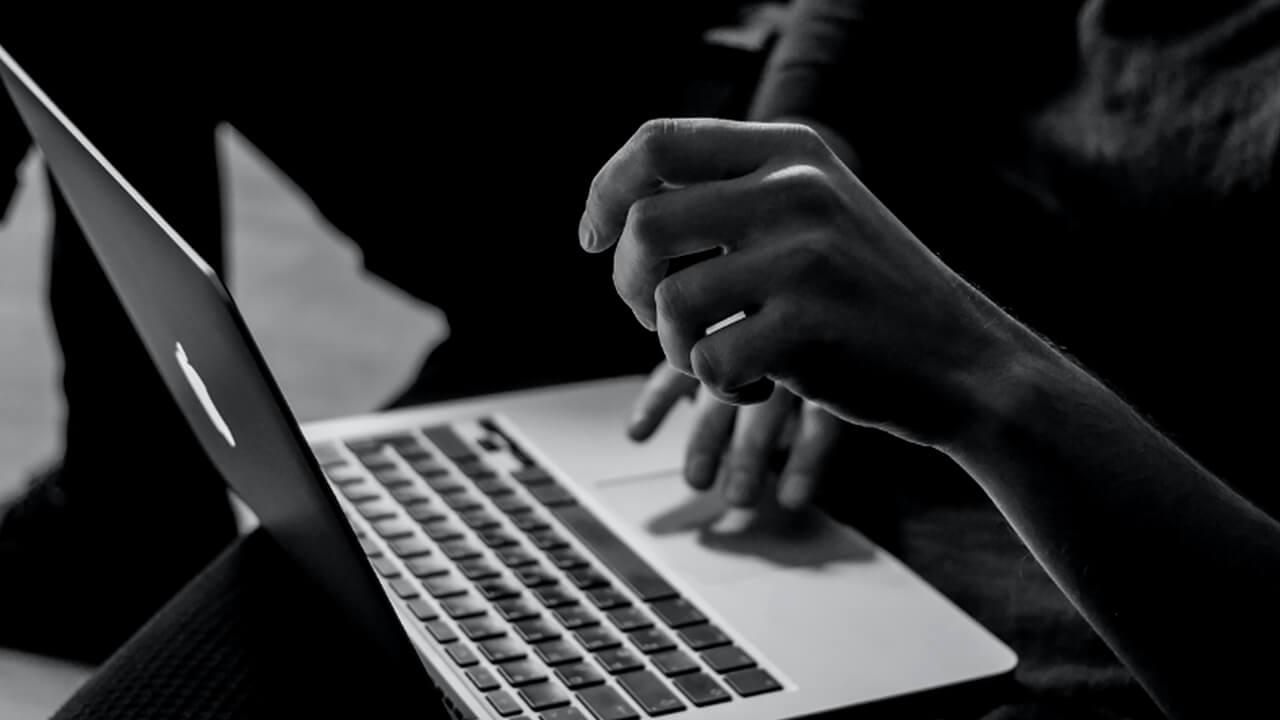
<point x="815" y="443"/>
<point x="712" y="426"/>
<point x="665" y="387"/>
<point x="680" y="223"/>
<point x="734" y="363"/>
<point x="676" y="153"/>
<point x="755" y="435"/>
<point x="699" y="297"/>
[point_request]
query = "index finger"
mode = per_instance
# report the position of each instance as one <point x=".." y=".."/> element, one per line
<point x="675" y="152"/>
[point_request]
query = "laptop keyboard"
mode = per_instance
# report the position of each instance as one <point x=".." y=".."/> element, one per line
<point x="541" y="606"/>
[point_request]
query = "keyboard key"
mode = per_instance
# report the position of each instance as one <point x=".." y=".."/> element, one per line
<point x="607" y="598"/>
<point x="727" y="658"/>
<point x="377" y="463"/>
<point x="442" y="586"/>
<point x="511" y="504"/>
<point x="579" y="675"/>
<point x="341" y="476"/>
<point x="650" y="693"/>
<point x="575" y="616"/>
<point x="385" y="567"/>
<point x="476" y="469"/>
<point x="458" y="550"/>
<point x="492" y="486"/>
<point x="515" y="556"/>
<point x="462" y="655"/>
<point x="564" y="713"/>
<point x="482" y="628"/>
<point x="381" y="509"/>
<point x="701" y="689"/>
<point x="517" y="609"/>
<point x="478" y="569"/>
<point x="442" y="531"/>
<point x="478" y="519"/>
<point x="410" y="495"/>
<point x="544" y="696"/>
<point x="534" y="631"/>
<point x="394" y="528"/>
<point x="557" y="652"/>
<point x="532" y="475"/>
<point x="327" y="453"/>
<point x="369" y="546"/>
<point x="503" y="703"/>
<point x="462" y="502"/>
<point x="651" y="641"/>
<point x="522" y="672"/>
<point x="619" y="660"/>
<point x="595" y="639"/>
<point x="566" y="558"/>
<point x="629" y="618"/>
<point x="483" y="678"/>
<point x="586" y="578"/>
<point x="425" y="513"/>
<point x="629" y="567"/>
<point x="359" y="493"/>
<point x="362" y="446"/>
<point x="496" y="538"/>
<point x="528" y="522"/>
<point x="459" y="607"/>
<point x="412" y="451"/>
<point x="447" y="485"/>
<point x="422" y="609"/>
<point x="607" y="704"/>
<point x="393" y="478"/>
<point x="497" y="589"/>
<point x="552" y="495"/>
<point x="503" y="650"/>
<point x="441" y="632"/>
<point x="752" y="682"/>
<point x="535" y="575"/>
<point x="701" y="637"/>
<point x="449" y="443"/>
<point x="410" y="547"/>
<point x="427" y="468"/>
<point x="547" y="539"/>
<point x="677" y="613"/>
<point x="424" y="567"/>
<point x="553" y="596"/>
<point x="405" y="587"/>
<point x="674" y="662"/>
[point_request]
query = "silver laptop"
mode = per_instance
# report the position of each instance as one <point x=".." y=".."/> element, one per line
<point x="517" y="551"/>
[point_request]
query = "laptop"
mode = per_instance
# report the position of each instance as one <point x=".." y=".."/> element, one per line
<point x="516" y="550"/>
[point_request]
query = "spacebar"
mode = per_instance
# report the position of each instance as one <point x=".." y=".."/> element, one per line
<point x="622" y="560"/>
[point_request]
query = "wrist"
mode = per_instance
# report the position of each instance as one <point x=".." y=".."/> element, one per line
<point x="1002" y="384"/>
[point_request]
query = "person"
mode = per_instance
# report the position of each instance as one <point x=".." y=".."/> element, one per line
<point x="1079" y="187"/>
<point x="396" y="131"/>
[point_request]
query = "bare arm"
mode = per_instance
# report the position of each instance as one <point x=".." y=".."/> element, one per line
<point x="1176" y="571"/>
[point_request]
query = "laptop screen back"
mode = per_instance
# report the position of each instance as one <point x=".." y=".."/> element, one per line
<point x="211" y="366"/>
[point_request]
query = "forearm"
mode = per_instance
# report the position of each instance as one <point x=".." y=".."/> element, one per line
<point x="1179" y="574"/>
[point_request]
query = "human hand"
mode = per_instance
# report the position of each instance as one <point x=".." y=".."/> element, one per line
<point x="734" y="445"/>
<point x="843" y="305"/>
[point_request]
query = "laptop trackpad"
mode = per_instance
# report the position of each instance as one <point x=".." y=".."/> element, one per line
<point x="701" y="537"/>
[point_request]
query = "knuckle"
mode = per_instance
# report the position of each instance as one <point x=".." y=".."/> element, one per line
<point x="807" y="141"/>
<point x="671" y="300"/>
<point x="644" y="219"/>
<point x="652" y="138"/>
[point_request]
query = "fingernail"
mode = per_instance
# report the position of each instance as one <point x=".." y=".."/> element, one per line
<point x="697" y="471"/>
<point x="791" y="494"/>
<point x="586" y="237"/>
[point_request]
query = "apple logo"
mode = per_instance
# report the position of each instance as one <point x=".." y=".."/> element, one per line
<point x="202" y="392"/>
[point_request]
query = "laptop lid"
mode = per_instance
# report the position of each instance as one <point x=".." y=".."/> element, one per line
<point x="211" y="366"/>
